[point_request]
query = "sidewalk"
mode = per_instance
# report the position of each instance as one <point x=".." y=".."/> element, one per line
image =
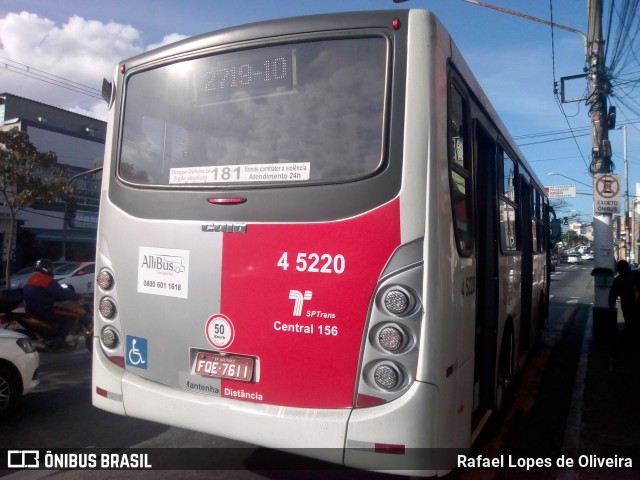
<point x="610" y="413"/>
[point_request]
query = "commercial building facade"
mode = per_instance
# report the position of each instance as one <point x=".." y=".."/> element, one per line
<point x="78" y="141"/>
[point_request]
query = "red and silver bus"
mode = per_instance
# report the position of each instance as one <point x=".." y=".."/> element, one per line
<point x="315" y="233"/>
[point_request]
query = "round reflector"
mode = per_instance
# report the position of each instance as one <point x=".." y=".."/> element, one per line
<point x="386" y="377"/>
<point x="391" y="339"/>
<point x="110" y="338"/>
<point x="107" y="308"/>
<point x="105" y="280"/>
<point x="397" y="301"/>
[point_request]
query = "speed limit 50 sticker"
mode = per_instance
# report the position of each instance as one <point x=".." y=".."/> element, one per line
<point x="219" y="331"/>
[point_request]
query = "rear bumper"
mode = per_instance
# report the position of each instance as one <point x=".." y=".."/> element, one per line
<point x="310" y="432"/>
<point x="395" y="437"/>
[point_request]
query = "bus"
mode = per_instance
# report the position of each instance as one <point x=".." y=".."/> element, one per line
<point x="315" y="234"/>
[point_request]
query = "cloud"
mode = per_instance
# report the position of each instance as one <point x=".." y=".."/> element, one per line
<point x="38" y="56"/>
<point x="174" y="37"/>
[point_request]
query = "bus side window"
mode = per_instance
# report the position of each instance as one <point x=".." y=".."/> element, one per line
<point x="460" y="172"/>
<point x="538" y="246"/>
<point x="508" y="205"/>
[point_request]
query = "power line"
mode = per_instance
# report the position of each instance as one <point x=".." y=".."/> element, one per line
<point x="573" y="136"/>
<point x="550" y="133"/>
<point x="624" y="63"/>
<point x="49" y="78"/>
<point x="564" y="132"/>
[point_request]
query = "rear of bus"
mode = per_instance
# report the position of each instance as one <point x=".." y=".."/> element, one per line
<point x="260" y="245"/>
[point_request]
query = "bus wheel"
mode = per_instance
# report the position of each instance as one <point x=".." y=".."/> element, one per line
<point x="505" y="372"/>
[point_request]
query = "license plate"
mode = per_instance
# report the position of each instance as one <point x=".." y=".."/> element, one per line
<point x="216" y="365"/>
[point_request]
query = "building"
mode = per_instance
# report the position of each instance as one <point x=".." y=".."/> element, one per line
<point x="583" y="229"/>
<point x="78" y="141"/>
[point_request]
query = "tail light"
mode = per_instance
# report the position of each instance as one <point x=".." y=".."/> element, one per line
<point x="390" y="355"/>
<point x="105" y="280"/>
<point x="108" y="322"/>
<point x="387" y="376"/>
<point x="110" y="338"/>
<point x="391" y="338"/>
<point x="398" y="301"/>
<point x="107" y="308"/>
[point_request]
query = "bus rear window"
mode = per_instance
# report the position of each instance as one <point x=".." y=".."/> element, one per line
<point x="287" y="114"/>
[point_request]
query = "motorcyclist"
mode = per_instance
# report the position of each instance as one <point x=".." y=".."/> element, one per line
<point x="40" y="292"/>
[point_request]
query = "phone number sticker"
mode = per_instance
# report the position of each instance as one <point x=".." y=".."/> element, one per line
<point x="163" y="271"/>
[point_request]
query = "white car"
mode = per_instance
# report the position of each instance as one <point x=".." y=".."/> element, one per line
<point x="19" y="278"/>
<point x="78" y="275"/>
<point x="574" y="258"/>
<point x="19" y="363"/>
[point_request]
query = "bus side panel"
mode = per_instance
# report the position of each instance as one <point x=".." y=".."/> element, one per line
<point x="297" y="296"/>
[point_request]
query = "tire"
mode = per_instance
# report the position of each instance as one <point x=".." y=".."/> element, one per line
<point x="505" y="374"/>
<point x="9" y="389"/>
<point x="88" y="332"/>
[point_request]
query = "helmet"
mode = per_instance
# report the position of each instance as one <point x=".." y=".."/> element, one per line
<point x="45" y="265"/>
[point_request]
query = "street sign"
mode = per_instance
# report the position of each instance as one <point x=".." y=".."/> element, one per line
<point x="561" y="191"/>
<point x="606" y="193"/>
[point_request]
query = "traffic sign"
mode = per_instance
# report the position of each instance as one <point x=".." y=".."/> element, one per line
<point x="606" y="193"/>
<point x="561" y="191"/>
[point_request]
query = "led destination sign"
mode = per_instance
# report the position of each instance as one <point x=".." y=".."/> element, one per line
<point x="242" y="75"/>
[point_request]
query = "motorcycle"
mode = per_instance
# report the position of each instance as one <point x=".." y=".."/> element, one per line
<point x="43" y="331"/>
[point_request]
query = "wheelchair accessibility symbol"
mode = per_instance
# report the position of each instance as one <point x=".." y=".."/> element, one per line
<point x="136" y="352"/>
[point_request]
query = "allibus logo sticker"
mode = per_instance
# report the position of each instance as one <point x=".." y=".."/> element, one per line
<point x="163" y="271"/>
<point x="219" y="331"/>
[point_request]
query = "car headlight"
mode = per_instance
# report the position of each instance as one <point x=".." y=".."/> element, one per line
<point x="26" y="345"/>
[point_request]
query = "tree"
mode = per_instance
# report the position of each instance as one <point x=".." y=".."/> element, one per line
<point x="573" y="238"/>
<point x="26" y="177"/>
<point x="560" y="205"/>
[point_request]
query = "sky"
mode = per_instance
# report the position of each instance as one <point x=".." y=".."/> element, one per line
<point x="515" y="60"/>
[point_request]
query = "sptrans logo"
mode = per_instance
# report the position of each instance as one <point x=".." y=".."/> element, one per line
<point x="163" y="271"/>
<point x="298" y="299"/>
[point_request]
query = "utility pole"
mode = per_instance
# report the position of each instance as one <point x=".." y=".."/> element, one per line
<point x="599" y="89"/>
<point x="603" y="316"/>
<point x="627" y="224"/>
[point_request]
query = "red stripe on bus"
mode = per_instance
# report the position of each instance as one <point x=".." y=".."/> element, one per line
<point x="298" y="296"/>
<point x="390" y="448"/>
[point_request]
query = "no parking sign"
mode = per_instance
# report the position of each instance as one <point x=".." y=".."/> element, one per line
<point x="606" y="193"/>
